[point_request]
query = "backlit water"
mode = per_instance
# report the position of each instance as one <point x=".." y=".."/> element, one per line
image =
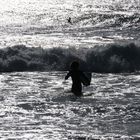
<point x="38" y="105"/>
<point x="44" y="23"/>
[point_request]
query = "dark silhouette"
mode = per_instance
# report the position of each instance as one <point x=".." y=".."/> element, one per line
<point x="75" y="74"/>
<point x="69" y="20"/>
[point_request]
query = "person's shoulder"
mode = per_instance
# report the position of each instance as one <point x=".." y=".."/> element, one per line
<point x="70" y="71"/>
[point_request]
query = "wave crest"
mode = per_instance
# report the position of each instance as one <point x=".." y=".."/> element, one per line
<point x="112" y="58"/>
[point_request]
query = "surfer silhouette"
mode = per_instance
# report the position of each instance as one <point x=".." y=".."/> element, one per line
<point x="69" y="20"/>
<point x="76" y="75"/>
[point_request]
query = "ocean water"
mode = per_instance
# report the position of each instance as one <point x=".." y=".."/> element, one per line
<point x="38" y="105"/>
<point x="44" y="23"/>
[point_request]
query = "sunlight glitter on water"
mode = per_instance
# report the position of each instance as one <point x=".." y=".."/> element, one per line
<point x="33" y="22"/>
<point x="39" y="105"/>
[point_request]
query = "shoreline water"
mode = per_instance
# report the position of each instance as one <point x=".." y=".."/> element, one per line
<point x="35" y="105"/>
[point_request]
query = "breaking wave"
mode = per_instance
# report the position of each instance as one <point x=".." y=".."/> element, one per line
<point x="111" y="58"/>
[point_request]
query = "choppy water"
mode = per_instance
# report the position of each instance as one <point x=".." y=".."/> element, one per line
<point x="37" y="105"/>
<point x="44" y="22"/>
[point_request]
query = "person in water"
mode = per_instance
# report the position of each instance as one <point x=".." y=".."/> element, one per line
<point x="75" y="74"/>
<point x="69" y="20"/>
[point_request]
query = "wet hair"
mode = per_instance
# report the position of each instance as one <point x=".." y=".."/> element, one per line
<point x="74" y="65"/>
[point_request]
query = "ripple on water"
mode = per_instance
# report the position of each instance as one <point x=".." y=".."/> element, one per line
<point x="39" y="105"/>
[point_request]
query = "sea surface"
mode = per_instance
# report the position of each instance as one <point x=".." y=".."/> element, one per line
<point x="44" y="23"/>
<point x="39" y="105"/>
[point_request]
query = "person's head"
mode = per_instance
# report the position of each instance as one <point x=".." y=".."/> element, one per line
<point x="74" y="65"/>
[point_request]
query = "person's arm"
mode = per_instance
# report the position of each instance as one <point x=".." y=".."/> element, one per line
<point x="68" y="75"/>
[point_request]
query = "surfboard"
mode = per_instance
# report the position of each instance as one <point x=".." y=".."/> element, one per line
<point x="86" y="78"/>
